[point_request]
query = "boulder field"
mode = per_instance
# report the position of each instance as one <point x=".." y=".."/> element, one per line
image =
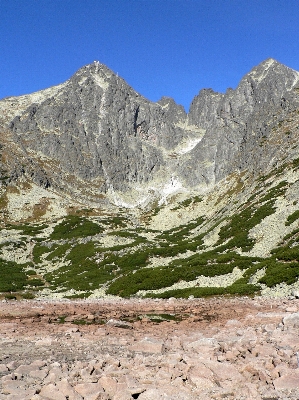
<point x="232" y="348"/>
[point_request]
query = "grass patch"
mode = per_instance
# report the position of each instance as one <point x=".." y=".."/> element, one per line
<point x="116" y="222"/>
<point x="157" y="318"/>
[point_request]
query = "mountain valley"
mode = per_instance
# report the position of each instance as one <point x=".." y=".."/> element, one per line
<point x="104" y="193"/>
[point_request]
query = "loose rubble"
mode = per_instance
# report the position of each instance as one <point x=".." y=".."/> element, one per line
<point x="239" y="348"/>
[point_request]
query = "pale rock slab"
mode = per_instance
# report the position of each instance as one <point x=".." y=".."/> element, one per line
<point x="224" y="371"/>
<point x="200" y="382"/>
<point x="204" y="345"/>
<point x="288" y="381"/>
<point x="52" y="392"/>
<point x="3" y="369"/>
<point x="167" y="393"/>
<point x="123" y="395"/>
<point x="24" y="370"/>
<point x="39" y="374"/>
<point x="291" y="321"/>
<point x="68" y="391"/>
<point x="89" y="391"/>
<point x="149" y="345"/>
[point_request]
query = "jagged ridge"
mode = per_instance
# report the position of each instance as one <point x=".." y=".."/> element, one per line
<point x="97" y="134"/>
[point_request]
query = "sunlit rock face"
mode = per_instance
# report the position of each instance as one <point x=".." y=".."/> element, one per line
<point x="97" y="138"/>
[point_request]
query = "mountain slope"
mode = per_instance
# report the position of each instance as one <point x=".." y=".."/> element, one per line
<point x="105" y="193"/>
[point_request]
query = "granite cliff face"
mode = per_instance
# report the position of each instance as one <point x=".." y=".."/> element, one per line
<point x="236" y="122"/>
<point x="95" y="137"/>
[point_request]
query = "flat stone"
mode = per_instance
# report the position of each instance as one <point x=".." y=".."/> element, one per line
<point x="200" y="370"/>
<point x="52" y="392"/>
<point x="231" y="323"/>
<point x="109" y="384"/>
<point x="203" y="345"/>
<point x="89" y="391"/>
<point x="287" y="381"/>
<point x="39" y="374"/>
<point x="3" y="368"/>
<point x="26" y="369"/>
<point x="224" y="371"/>
<point x="24" y="395"/>
<point x="68" y="391"/>
<point x="291" y="320"/>
<point x="122" y="395"/>
<point x="13" y="387"/>
<point x="200" y="382"/>
<point x="44" y="342"/>
<point x="291" y="309"/>
<point x="149" y="345"/>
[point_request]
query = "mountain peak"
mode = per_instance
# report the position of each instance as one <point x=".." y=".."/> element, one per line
<point x="273" y="71"/>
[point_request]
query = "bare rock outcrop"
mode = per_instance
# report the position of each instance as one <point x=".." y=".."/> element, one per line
<point x="95" y="136"/>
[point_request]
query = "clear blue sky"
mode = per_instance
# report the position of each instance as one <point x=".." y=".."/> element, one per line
<point x="160" y="47"/>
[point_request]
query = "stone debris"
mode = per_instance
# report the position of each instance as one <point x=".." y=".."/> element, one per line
<point x="247" y="351"/>
<point x="119" y="324"/>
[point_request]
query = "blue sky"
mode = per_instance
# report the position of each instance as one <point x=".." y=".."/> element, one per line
<point x="160" y="47"/>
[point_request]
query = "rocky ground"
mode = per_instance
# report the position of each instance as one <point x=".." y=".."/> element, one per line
<point x="226" y="348"/>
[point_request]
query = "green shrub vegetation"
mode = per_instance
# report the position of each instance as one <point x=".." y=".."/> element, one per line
<point x="58" y="252"/>
<point x="73" y="227"/>
<point x="278" y="272"/>
<point x="35" y="282"/>
<point x="206" y="292"/>
<point x="295" y="163"/>
<point x="207" y="264"/>
<point x="286" y="253"/>
<point x="13" y="277"/>
<point x="80" y="263"/>
<point x="38" y="251"/>
<point x="240" y="224"/>
<point x="29" y="229"/>
<point x="293" y="217"/>
<point x="187" y="202"/>
<point x="115" y="221"/>
<point x="274" y="192"/>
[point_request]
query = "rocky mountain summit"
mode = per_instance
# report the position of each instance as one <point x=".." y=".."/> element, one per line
<point x="96" y="137"/>
<point x="104" y="193"/>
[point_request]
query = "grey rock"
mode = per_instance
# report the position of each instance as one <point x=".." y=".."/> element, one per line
<point x="96" y="138"/>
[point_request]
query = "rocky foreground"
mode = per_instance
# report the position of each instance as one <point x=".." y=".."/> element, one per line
<point x="176" y="349"/>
